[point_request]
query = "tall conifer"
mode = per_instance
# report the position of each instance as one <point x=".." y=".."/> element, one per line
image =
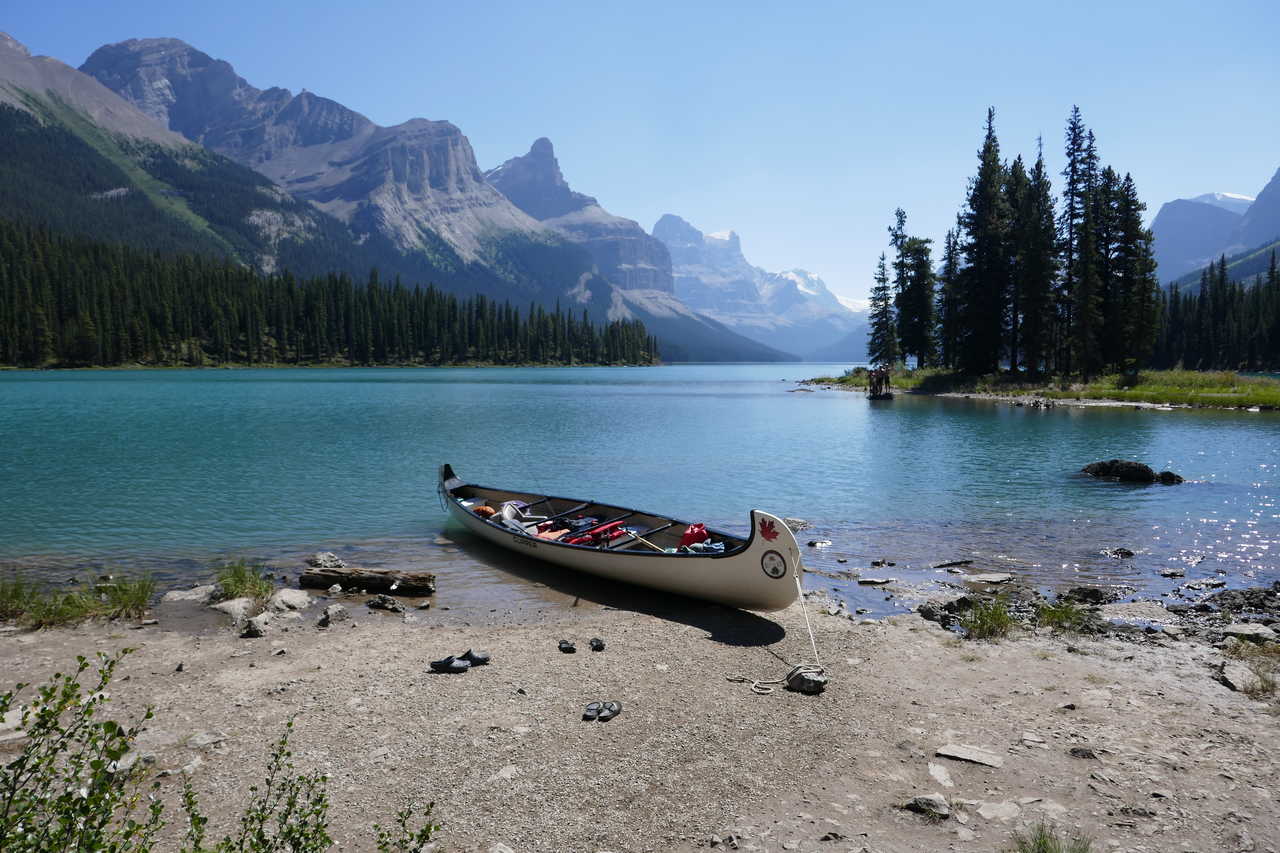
<point x="882" y="341"/>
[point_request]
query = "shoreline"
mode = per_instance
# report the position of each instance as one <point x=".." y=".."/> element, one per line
<point x="1179" y="761"/>
<point x="1031" y="399"/>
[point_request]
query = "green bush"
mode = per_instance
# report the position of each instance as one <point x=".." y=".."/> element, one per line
<point x="72" y="787"/>
<point x="988" y="620"/>
<point x="241" y="580"/>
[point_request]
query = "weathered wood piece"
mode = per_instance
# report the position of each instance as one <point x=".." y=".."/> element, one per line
<point x="373" y="580"/>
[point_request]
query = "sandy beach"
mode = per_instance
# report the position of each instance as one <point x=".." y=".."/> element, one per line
<point x="1172" y="759"/>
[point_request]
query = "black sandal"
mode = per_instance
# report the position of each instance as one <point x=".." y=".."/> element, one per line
<point x="593" y="710"/>
<point x="450" y="664"/>
<point x="567" y="647"/>
<point x="597" y="644"/>
<point x="475" y="658"/>
<point x="609" y="711"/>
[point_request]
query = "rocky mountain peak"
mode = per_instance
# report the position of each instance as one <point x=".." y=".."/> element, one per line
<point x="9" y="43"/>
<point x="23" y="75"/>
<point x="534" y="183"/>
<point x="676" y="232"/>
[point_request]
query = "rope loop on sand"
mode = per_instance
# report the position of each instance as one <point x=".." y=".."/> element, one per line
<point x="764" y="687"/>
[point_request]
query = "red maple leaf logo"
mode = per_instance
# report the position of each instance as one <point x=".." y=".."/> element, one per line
<point x="767" y="530"/>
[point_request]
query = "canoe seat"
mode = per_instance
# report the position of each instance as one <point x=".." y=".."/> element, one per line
<point x="633" y="539"/>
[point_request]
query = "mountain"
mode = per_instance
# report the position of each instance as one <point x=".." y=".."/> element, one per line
<point x="624" y="254"/>
<point x="792" y="311"/>
<point x="77" y="158"/>
<point x="1233" y="202"/>
<point x="415" y="187"/>
<point x="1191" y="238"/>
<point x="1261" y="222"/>
<point x="1189" y="234"/>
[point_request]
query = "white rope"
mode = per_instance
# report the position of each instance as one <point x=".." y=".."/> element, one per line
<point x="763" y="686"/>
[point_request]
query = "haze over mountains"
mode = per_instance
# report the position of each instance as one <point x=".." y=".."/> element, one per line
<point x="792" y="310"/>
<point x="330" y="190"/>
<point x="1191" y="233"/>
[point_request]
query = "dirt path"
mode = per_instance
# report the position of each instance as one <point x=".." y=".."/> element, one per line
<point x="1182" y="763"/>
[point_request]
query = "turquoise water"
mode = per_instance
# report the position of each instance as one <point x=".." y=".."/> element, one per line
<point x="171" y="469"/>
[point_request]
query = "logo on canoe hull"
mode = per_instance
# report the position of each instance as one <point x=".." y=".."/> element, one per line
<point x="774" y="564"/>
<point x="768" y="530"/>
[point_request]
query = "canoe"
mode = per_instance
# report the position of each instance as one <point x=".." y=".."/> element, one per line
<point x="760" y="572"/>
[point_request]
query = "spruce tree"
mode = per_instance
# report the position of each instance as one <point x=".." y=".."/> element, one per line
<point x="984" y="244"/>
<point x="948" y="312"/>
<point x="882" y="340"/>
<point x="1038" y="267"/>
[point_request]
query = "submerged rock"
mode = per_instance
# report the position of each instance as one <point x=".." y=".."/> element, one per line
<point x="382" y="601"/>
<point x="326" y="560"/>
<point x="1090" y="595"/>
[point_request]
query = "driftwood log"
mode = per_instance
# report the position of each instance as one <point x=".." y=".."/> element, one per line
<point x="374" y="580"/>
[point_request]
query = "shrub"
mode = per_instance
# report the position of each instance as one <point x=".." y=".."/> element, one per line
<point x="66" y="791"/>
<point x="71" y="788"/>
<point x="988" y="620"/>
<point x="241" y="580"/>
<point x="1044" y="838"/>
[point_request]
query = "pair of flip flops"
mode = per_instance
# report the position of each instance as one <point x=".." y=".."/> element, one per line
<point x="460" y="663"/>
<point x="602" y="711"/>
<point x="597" y="645"/>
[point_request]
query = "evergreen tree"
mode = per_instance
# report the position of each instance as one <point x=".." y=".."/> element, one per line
<point x="882" y="341"/>
<point x="1037" y="267"/>
<point x="913" y="281"/>
<point x="948" y="306"/>
<point x="1086" y="311"/>
<point x="984" y="281"/>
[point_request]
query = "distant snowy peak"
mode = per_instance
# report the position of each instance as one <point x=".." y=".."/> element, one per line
<point x="857" y="306"/>
<point x="791" y="310"/>
<point x="1234" y="202"/>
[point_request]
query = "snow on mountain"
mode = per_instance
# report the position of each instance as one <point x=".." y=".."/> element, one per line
<point x="1234" y="202"/>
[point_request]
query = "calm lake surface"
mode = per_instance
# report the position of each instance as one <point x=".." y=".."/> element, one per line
<point x="170" y="470"/>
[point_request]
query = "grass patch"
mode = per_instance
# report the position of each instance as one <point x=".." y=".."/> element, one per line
<point x="1220" y="388"/>
<point x="1263" y="660"/>
<point x="988" y="620"/>
<point x="1043" y="838"/>
<point x="36" y="605"/>
<point x="242" y="580"/>
<point x="1062" y="616"/>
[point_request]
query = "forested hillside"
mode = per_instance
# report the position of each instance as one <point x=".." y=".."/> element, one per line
<point x="1222" y="324"/>
<point x="70" y="301"/>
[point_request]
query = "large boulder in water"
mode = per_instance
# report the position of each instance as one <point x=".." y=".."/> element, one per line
<point x="1128" y="471"/>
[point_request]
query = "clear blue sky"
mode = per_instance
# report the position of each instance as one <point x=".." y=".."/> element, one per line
<point x="801" y="126"/>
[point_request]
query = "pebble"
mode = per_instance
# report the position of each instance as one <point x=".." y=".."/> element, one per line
<point x="929" y="805"/>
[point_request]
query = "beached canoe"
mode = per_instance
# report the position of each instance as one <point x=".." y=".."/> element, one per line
<point x="757" y="573"/>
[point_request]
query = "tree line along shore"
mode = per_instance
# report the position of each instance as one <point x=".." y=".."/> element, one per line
<point x="1063" y="288"/>
<point x="73" y="302"/>
<point x="1222" y="389"/>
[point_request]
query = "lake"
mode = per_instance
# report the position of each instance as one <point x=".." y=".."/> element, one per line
<point x="170" y="470"/>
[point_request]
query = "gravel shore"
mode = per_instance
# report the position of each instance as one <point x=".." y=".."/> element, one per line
<point x="1135" y="744"/>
